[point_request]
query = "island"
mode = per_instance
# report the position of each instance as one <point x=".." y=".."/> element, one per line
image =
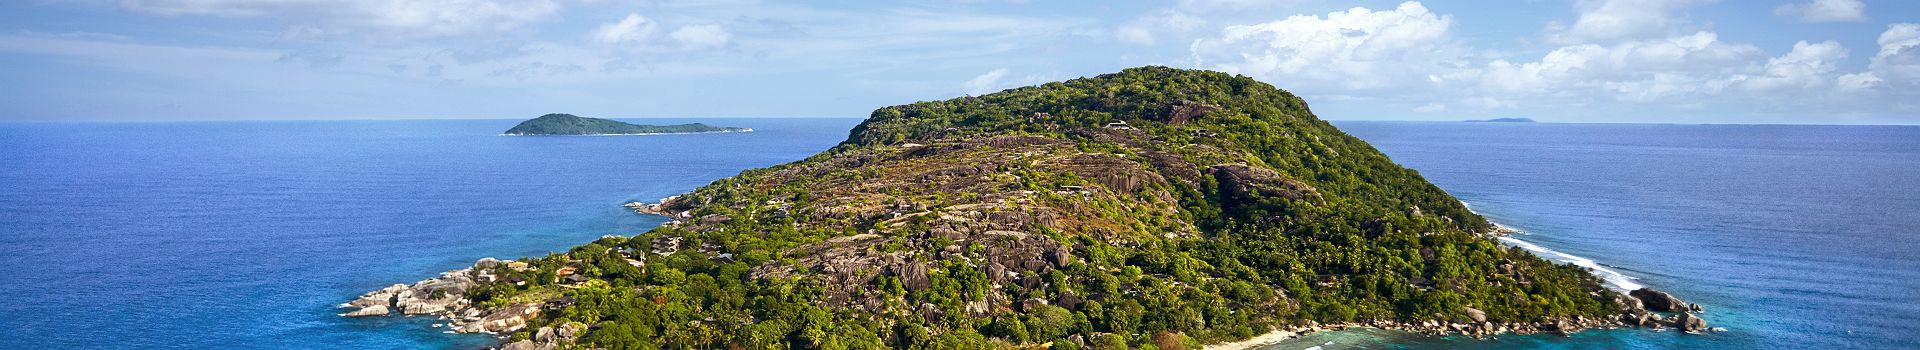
<point x="1503" y="120"/>
<point x="1153" y="207"/>
<point x="568" y="124"/>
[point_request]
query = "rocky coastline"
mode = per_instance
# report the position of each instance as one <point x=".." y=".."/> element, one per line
<point x="1643" y="308"/>
<point x="447" y="298"/>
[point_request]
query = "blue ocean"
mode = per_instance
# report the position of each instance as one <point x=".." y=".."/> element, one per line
<point x="247" y="234"/>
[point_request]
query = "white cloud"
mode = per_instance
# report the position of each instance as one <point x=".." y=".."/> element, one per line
<point x="1356" y="48"/>
<point x="1002" y="79"/>
<point x="1618" y="57"/>
<point x="1896" y="64"/>
<point x="1826" y="11"/>
<point x="985" y="82"/>
<point x="1639" y="70"/>
<point x="701" y="36"/>
<point x="1807" y="66"/>
<point x="381" y="19"/>
<point x="1859" y="81"/>
<point x="1899" y="56"/>
<point x="639" y="33"/>
<point x="631" y="29"/>
<point x="1606" y="20"/>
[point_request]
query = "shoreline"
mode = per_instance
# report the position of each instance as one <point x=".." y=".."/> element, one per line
<point x="443" y="297"/>
<point x="1270" y="338"/>
<point x="1615" y="281"/>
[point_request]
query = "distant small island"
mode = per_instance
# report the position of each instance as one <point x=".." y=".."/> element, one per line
<point x="1503" y="120"/>
<point x="568" y="124"/>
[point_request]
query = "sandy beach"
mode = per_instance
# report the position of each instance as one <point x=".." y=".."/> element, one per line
<point x="1270" y="338"/>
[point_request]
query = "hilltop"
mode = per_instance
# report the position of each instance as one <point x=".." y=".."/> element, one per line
<point x="568" y="124"/>
<point x="1151" y="207"/>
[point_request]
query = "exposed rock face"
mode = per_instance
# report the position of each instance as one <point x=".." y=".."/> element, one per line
<point x="445" y="296"/>
<point x="376" y="310"/>
<point x="1658" y="301"/>
<point x="1628" y="304"/>
<point x="1642" y="318"/>
<point x="1476" y="315"/>
<point x="1182" y="111"/>
<point x="1241" y="182"/>
<point x="1687" y="321"/>
<point x="521" y="345"/>
<point x="507" y="319"/>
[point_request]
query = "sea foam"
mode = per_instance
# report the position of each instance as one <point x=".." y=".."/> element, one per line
<point x="1617" y="280"/>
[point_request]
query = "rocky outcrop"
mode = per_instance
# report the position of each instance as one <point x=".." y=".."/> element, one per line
<point x="1179" y="112"/>
<point x="1476" y="315"/>
<point x="503" y="320"/>
<point x="1658" y="301"/>
<point x="444" y="296"/>
<point x="523" y="345"/>
<point x="1683" y="318"/>
<point x="1241" y="182"/>
<point x="1687" y="321"/>
<point x="376" y="310"/>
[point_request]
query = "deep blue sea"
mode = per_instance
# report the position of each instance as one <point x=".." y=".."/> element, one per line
<point x="246" y="234"/>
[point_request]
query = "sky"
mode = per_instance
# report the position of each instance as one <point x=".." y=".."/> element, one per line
<point x="1643" y="61"/>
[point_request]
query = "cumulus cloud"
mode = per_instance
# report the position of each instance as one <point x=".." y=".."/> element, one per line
<point x="631" y="29"/>
<point x="1002" y="79"/>
<point x="1826" y="11"/>
<point x="1637" y="70"/>
<point x="637" y="32"/>
<point x="985" y="82"/>
<point x="1896" y="64"/>
<point x="1862" y="81"/>
<point x="384" y="19"/>
<point x="1356" y="48"/>
<point x="1606" y="20"/>
<point x="1409" y="54"/>
<point x="1807" y="66"/>
<point x="1899" y="56"/>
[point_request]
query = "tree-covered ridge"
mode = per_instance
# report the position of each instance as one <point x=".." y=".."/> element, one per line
<point x="1154" y="207"/>
<point x="568" y="124"/>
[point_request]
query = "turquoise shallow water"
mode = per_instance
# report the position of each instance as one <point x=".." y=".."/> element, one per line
<point x="246" y="234"/>
<point x="1791" y="236"/>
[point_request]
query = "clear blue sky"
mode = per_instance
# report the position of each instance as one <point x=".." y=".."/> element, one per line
<point x="1675" y="61"/>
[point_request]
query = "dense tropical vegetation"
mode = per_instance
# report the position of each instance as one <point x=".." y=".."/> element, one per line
<point x="1151" y="208"/>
